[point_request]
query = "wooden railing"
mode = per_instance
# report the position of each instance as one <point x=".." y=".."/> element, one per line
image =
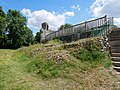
<point x="88" y="26"/>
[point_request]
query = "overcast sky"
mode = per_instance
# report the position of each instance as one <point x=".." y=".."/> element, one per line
<point x="58" y="12"/>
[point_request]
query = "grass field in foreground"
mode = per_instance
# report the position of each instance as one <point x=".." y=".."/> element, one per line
<point x="56" y="66"/>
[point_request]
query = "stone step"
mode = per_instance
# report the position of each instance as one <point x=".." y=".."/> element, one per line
<point x="115" y="59"/>
<point x="115" y="54"/>
<point x="117" y="64"/>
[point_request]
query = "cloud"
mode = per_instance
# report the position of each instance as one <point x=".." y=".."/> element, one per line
<point x="68" y="14"/>
<point x="76" y="7"/>
<point x="26" y="12"/>
<point x="117" y="21"/>
<point x="53" y="19"/>
<point x="106" y="7"/>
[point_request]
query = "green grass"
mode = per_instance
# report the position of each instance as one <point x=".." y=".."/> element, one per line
<point x="55" y="41"/>
<point x="80" y="66"/>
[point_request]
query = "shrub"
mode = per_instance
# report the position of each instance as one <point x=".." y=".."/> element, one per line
<point x="55" y="41"/>
<point x="48" y="69"/>
<point x="88" y="55"/>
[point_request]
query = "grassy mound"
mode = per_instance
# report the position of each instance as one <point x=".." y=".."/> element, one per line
<point x="61" y="60"/>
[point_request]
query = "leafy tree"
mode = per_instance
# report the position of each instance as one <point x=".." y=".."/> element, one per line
<point x="64" y="26"/>
<point x="17" y="31"/>
<point x="37" y="37"/>
<point x="28" y="37"/>
<point x="2" y="27"/>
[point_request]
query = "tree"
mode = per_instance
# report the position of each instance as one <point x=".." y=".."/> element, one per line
<point x="28" y="36"/>
<point x="65" y="26"/>
<point x="37" y="37"/>
<point x="2" y="28"/>
<point x="17" y="31"/>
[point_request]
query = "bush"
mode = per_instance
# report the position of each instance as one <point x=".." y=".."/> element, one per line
<point x="55" y="41"/>
<point x="48" y="69"/>
<point x="88" y="55"/>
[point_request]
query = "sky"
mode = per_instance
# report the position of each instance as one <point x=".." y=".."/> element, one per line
<point x="58" y="12"/>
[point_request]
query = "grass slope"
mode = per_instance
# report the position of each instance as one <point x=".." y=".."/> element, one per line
<point x="55" y="66"/>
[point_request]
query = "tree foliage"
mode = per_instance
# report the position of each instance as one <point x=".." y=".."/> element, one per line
<point x="64" y="26"/>
<point x="14" y="32"/>
<point x="18" y="33"/>
<point x="37" y="37"/>
<point x="2" y="27"/>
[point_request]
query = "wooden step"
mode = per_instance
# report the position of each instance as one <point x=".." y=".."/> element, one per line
<point x="115" y="54"/>
<point x="115" y="58"/>
<point x="112" y="43"/>
<point x="116" y="68"/>
<point x="115" y="50"/>
<point x="114" y="39"/>
<point x="117" y="64"/>
<point x="115" y="47"/>
<point x="115" y="32"/>
<point x="115" y="35"/>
